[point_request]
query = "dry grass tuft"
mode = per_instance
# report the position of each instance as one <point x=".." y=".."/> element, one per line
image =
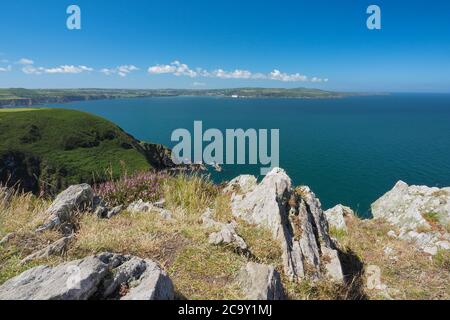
<point x="202" y="271"/>
<point x="192" y="193"/>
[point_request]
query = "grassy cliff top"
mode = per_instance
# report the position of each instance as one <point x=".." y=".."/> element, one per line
<point x="60" y="147"/>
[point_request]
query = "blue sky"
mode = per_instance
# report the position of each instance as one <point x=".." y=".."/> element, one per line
<point x="322" y="44"/>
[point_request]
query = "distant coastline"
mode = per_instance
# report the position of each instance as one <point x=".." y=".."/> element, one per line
<point x="18" y="97"/>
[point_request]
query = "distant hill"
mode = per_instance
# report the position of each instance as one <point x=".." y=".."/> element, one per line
<point x="27" y="97"/>
<point x="50" y="149"/>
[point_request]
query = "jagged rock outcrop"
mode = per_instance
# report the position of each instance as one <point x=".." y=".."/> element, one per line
<point x="336" y="216"/>
<point x="74" y="199"/>
<point x="158" y="155"/>
<point x="294" y="217"/>
<point x="405" y="206"/>
<point x="261" y="282"/>
<point x="421" y="213"/>
<point x="107" y="276"/>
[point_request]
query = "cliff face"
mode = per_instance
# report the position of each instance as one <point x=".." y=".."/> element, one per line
<point x="47" y="150"/>
<point x="159" y="156"/>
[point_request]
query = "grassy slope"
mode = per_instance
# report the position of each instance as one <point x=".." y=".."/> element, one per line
<point x="70" y="143"/>
<point x="203" y="271"/>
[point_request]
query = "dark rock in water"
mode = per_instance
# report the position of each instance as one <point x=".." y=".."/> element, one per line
<point x="158" y="155"/>
<point x="100" y="277"/>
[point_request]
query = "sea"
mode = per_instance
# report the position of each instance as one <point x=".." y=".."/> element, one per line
<point x="349" y="150"/>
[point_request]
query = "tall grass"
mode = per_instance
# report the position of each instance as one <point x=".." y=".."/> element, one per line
<point x="192" y="193"/>
<point x="23" y="212"/>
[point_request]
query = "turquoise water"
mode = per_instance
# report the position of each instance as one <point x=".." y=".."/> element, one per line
<point x="349" y="150"/>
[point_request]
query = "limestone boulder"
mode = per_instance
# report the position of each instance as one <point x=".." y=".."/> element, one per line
<point x="261" y="282"/>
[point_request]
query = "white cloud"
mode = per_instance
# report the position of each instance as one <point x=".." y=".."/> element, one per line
<point x="236" y="74"/>
<point x="25" y="61"/>
<point x="122" y="71"/>
<point x="179" y="69"/>
<point x="7" y="69"/>
<point x="68" y="69"/>
<point x="281" y="76"/>
<point x="199" y="84"/>
<point x="30" y="68"/>
<point x="64" y="69"/>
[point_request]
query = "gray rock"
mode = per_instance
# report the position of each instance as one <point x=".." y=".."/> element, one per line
<point x="241" y="184"/>
<point x="228" y="235"/>
<point x="141" y="206"/>
<point x="332" y="264"/>
<point x="56" y="248"/>
<point x="392" y="234"/>
<point x="404" y="206"/>
<point x="444" y="245"/>
<point x="129" y="271"/>
<point x="154" y="284"/>
<point x="336" y="216"/>
<point x="297" y="222"/>
<point x="315" y="208"/>
<point x="114" y="211"/>
<point x="98" y="277"/>
<point x="100" y="207"/>
<point x="74" y="199"/>
<point x="7" y="238"/>
<point x="76" y="280"/>
<point x="261" y="282"/>
<point x="160" y="204"/>
<point x="429" y="242"/>
<point x="208" y="221"/>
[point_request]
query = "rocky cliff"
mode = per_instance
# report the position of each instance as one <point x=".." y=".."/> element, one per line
<point x="245" y="240"/>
